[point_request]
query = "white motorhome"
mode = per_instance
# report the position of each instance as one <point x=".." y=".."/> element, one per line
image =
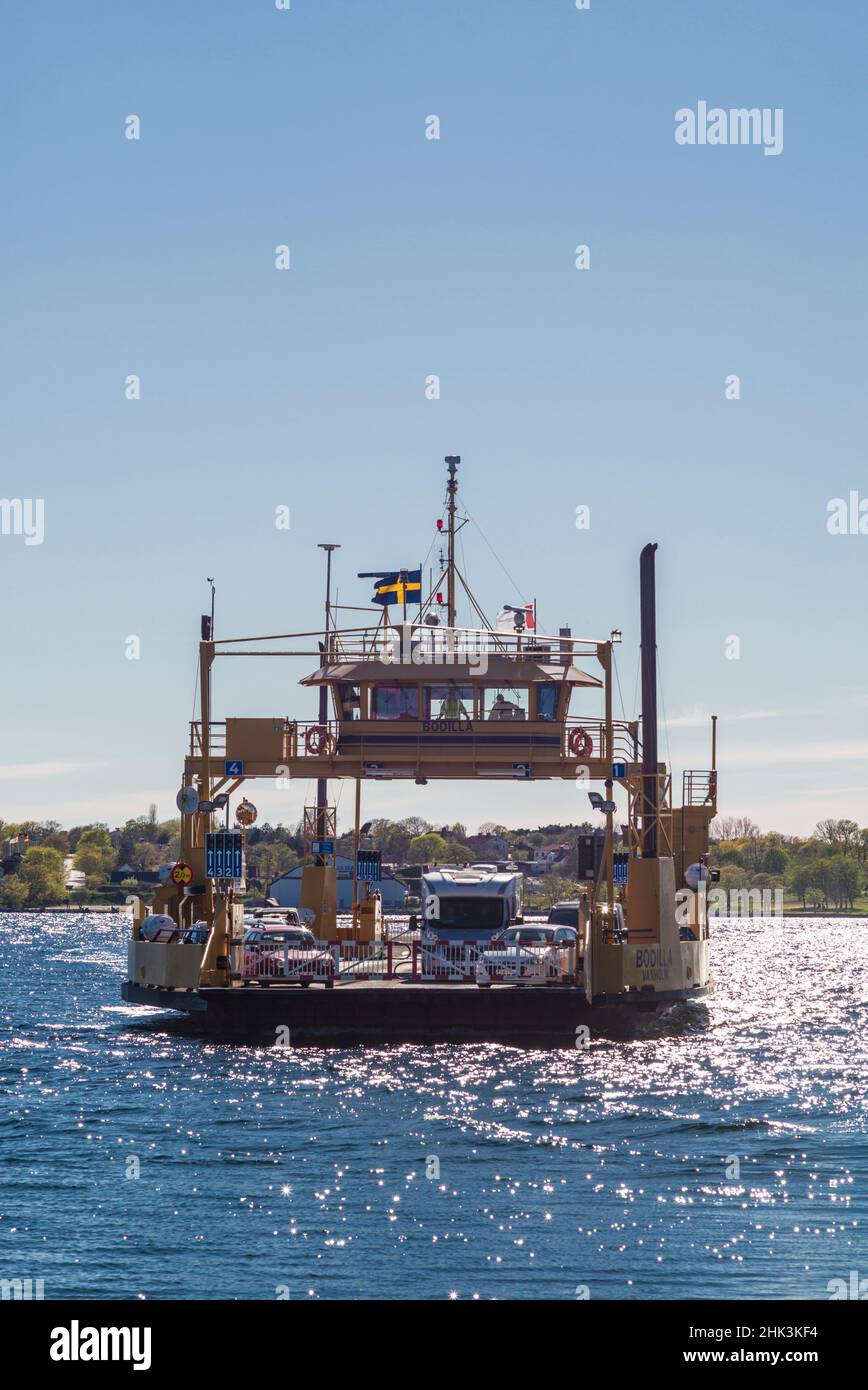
<point x="463" y="905"/>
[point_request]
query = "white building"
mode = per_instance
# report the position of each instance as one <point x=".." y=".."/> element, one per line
<point x="286" y="890"/>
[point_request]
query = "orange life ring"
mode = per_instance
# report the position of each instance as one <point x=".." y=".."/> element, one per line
<point x="580" y="743"/>
<point x="319" y="741"/>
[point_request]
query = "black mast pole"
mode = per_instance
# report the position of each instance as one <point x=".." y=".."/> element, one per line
<point x="322" y="784"/>
<point x="648" y="618"/>
<point x="452" y="462"/>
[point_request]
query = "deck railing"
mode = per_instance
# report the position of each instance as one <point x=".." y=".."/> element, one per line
<point x="409" y="738"/>
<point x="411" y="961"/>
<point x="369" y="643"/>
<point x="440" y="643"/>
<point x="698" y="788"/>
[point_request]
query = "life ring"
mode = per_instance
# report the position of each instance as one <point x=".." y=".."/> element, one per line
<point x="319" y="741"/>
<point x="580" y="743"/>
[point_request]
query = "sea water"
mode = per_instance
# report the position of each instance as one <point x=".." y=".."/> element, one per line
<point x="717" y="1151"/>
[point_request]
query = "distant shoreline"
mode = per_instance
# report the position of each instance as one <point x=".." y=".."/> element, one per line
<point x="125" y="908"/>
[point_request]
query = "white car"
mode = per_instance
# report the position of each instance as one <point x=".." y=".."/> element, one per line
<point x="530" y="952"/>
<point x="273" y="917"/>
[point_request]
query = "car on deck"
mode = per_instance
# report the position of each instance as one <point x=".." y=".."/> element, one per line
<point x="285" y="953"/>
<point x="532" y="952"/>
<point x="564" y="915"/>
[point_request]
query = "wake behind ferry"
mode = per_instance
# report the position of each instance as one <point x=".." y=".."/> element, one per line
<point x="417" y="697"/>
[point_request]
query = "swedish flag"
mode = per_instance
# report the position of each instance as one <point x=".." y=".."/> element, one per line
<point x="399" y="586"/>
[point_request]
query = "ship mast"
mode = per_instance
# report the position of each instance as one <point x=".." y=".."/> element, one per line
<point x="648" y="621"/>
<point x="322" y="783"/>
<point x="452" y="572"/>
<point x="452" y="462"/>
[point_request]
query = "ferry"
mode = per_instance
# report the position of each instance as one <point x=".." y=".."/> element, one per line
<point x="409" y="694"/>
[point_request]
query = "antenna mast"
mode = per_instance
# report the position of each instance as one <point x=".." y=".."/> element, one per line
<point x="452" y="462"/>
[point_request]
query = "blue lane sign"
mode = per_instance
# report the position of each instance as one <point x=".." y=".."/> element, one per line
<point x="233" y="767"/>
<point x="521" y="769"/>
<point x="619" y="867"/>
<point x="224" y="854"/>
<point x="368" y="865"/>
<point x="619" y="770"/>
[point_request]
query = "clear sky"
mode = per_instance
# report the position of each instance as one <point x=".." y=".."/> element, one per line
<point x="412" y="257"/>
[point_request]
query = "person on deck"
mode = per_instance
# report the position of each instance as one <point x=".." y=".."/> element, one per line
<point x="452" y="707"/>
<point x="505" y="709"/>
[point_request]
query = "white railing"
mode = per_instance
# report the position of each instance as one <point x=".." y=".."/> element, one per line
<point x="367" y="960"/>
<point x="423" y="961"/>
<point x="283" y="963"/>
<point x="442" y="960"/>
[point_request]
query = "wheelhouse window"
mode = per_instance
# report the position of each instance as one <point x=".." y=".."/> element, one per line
<point x="449" y="701"/>
<point x="546" y="701"/>
<point x="349" y="701"/>
<point x="395" y="702"/>
<point x="505" y="702"/>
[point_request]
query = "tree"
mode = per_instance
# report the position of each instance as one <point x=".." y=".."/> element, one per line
<point x="427" y="849"/>
<point x="456" y="853"/>
<point x="95" y="854"/>
<point x="392" y="838"/>
<point x="818" y="883"/>
<point x="733" y="878"/>
<point x="556" y="889"/>
<point x="42" y="871"/>
<point x="799" y="882"/>
<point x="843" y="880"/>
<point x="762" y="881"/>
<point x="734" y="828"/>
<point x="144" y="855"/>
<point x="727" y="853"/>
<point x="52" y="833"/>
<point x="414" y="825"/>
<point x="774" y="859"/>
<point x="28" y="830"/>
<point x="14" y="892"/>
<point x="269" y="862"/>
<point x="843" y="833"/>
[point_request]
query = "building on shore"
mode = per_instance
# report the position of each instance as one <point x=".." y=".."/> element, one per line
<point x="286" y="890"/>
<point x="487" y="848"/>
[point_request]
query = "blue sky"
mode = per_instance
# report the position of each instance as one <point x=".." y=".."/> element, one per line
<point x="413" y="257"/>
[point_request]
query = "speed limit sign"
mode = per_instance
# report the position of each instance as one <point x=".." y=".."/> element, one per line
<point x="182" y="874"/>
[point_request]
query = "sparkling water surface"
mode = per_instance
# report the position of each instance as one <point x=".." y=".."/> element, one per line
<point x="268" y="1172"/>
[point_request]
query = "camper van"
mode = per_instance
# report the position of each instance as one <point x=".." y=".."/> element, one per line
<point x="466" y="907"/>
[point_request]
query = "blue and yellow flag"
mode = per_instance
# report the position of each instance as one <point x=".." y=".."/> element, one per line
<point x="399" y="586"/>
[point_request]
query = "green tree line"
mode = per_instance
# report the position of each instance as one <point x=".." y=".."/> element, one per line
<point x="828" y="869"/>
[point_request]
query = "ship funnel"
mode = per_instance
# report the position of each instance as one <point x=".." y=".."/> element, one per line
<point x="648" y="618"/>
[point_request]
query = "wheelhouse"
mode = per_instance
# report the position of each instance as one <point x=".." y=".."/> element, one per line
<point x="507" y="712"/>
